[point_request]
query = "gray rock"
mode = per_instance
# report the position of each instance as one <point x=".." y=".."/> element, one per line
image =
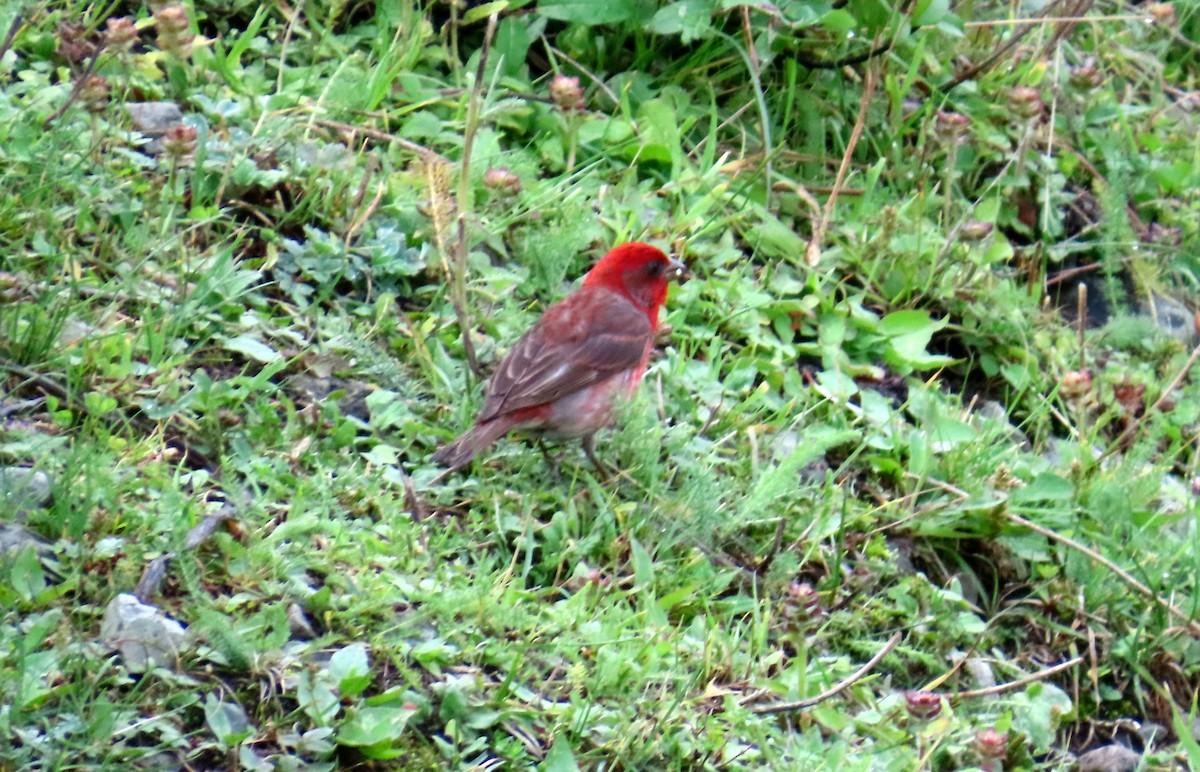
<point x="22" y="488"/>
<point x="992" y="411"/>
<point x="1152" y="733"/>
<point x="1109" y="758"/>
<point x="298" y="622"/>
<point x="14" y="538"/>
<point x="1174" y="497"/>
<point x="144" y="636"/>
<point x="981" y="672"/>
<point x="226" y="719"/>
<point x="154" y="117"/>
<point x="1171" y="316"/>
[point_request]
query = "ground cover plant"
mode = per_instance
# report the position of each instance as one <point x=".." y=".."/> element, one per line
<point x="911" y="481"/>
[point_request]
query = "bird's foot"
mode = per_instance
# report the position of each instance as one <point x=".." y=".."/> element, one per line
<point x="589" y="449"/>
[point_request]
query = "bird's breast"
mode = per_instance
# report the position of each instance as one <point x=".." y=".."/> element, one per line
<point x="592" y="408"/>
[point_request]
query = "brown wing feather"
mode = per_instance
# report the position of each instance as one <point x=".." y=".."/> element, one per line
<point x="587" y="337"/>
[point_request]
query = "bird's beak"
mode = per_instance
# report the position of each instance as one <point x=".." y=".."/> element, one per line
<point x="678" y="271"/>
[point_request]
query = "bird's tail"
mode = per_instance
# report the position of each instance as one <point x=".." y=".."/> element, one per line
<point x="459" y="453"/>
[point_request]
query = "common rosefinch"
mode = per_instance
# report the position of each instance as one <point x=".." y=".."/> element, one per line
<point x="586" y="353"/>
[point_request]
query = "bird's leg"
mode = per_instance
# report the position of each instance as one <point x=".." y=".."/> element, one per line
<point x="589" y="449"/>
<point x="552" y="461"/>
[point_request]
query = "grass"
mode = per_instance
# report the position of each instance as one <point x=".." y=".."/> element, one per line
<point x="882" y="503"/>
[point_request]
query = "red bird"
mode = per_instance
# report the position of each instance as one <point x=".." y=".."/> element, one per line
<point x="586" y="353"/>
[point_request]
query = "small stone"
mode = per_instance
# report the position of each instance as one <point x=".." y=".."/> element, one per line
<point x="1171" y="316"/>
<point x="144" y="636"/>
<point x="1151" y="733"/>
<point x="981" y="672"/>
<point x="154" y="117"/>
<point x="992" y="411"/>
<point x="14" y="538"/>
<point x="23" y="488"/>
<point x="298" y="622"/>
<point x="1109" y="758"/>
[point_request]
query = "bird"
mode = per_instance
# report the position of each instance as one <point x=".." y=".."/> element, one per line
<point x="565" y="376"/>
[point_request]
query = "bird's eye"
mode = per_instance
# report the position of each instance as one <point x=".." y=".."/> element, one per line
<point x="654" y="268"/>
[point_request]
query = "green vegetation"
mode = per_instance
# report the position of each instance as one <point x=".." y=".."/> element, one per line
<point x="871" y="437"/>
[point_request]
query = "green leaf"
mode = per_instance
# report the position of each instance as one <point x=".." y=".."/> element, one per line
<point x="774" y="239"/>
<point x="1185" y="730"/>
<point x="1045" y="487"/>
<point x="643" y="565"/>
<point x="660" y="134"/>
<point x="26" y="574"/>
<point x="374" y="726"/>
<point x="560" y="758"/>
<point x="422" y="124"/>
<point x="512" y="42"/>
<point x="1038" y="712"/>
<point x="591" y="12"/>
<point x="930" y="12"/>
<point x="484" y="11"/>
<point x="839" y="21"/>
<point x="221" y="716"/>
<point x="909" y="332"/>
<point x="252" y="348"/>
<point x="350" y="669"/>
<point x="316" y="698"/>
<point x="382" y="454"/>
<point x="691" y="19"/>
<point x="946" y="433"/>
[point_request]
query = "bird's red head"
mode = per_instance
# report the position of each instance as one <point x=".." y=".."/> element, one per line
<point x="640" y="272"/>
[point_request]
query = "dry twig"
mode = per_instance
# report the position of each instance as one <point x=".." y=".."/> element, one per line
<point x="1041" y="675"/>
<point x="812" y="253"/>
<point x="833" y="691"/>
<point x="458" y="277"/>
<point x="1122" y="574"/>
<point x="1133" y="428"/>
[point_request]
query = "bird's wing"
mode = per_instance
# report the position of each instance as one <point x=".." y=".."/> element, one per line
<point x="591" y="335"/>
